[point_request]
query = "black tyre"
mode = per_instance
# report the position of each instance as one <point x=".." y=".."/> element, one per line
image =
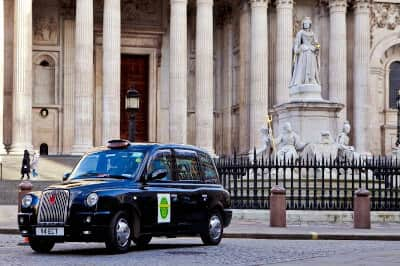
<point x="215" y="230"/>
<point x="142" y="241"/>
<point x="119" y="233"/>
<point x="41" y="245"/>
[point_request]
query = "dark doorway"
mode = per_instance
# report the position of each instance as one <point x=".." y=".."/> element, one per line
<point x="135" y="72"/>
<point x="44" y="149"/>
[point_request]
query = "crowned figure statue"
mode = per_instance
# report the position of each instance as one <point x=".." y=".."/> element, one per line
<point x="305" y="81"/>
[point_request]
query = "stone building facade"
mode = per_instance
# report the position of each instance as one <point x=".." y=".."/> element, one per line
<point x="208" y="71"/>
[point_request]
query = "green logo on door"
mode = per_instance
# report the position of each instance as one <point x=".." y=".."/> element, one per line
<point x="164" y="207"/>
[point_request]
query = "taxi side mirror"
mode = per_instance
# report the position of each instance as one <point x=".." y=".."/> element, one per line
<point x="66" y="176"/>
<point x="158" y="174"/>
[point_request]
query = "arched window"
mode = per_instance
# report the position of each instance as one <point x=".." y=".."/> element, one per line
<point x="44" y="80"/>
<point x="394" y="83"/>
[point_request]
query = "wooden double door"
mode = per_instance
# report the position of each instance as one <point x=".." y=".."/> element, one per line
<point x="135" y="73"/>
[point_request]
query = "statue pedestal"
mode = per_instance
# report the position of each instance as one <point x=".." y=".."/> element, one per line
<point x="311" y="92"/>
<point x="308" y="118"/>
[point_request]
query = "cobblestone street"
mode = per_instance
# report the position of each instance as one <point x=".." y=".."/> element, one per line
<point x="189" y="251"/>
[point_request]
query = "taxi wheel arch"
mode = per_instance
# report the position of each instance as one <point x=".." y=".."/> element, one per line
<point x="114" y="243"/>
<point x="214" y="217"/>
<point x="134" y="217"/>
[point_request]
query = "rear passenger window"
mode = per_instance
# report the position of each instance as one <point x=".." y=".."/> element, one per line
<point x="187" y="168"/>
<point x="210" y="174"/>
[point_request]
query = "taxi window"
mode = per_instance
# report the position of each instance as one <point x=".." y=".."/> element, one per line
<point x="210" y="174"/>
<point x="161" y="160"/>
<point x="187" y="168"/>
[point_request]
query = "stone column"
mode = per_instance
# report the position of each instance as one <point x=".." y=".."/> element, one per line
<point x="338" y="55"/>
<point x="2" y="62"/>
<point x="259" y="70"/>
<point x="204" y="76"/>
<point x="227" y="84"/>
<point x="360" y="73"/>
<point x="178" y="71"/>
<point x="111" y="69"/>
<point x="22" y="77"/>
<point x="284" y="43"/>
<point x="84" y="75"/>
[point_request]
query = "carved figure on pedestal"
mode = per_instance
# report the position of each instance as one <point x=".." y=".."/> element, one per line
<point x="343" y="140"/>
<point x="306" y="48"/>
<point x="289" y="144"/>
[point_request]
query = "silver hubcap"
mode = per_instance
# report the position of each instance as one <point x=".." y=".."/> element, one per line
<point x="123" y="232"/>
<point x="215" y="227"/>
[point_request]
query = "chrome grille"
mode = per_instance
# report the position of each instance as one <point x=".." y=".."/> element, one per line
<point x="53" y="207"/>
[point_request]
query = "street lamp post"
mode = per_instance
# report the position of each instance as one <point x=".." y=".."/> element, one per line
<point x="132" y="101"/>
<point x="398" y="118"/>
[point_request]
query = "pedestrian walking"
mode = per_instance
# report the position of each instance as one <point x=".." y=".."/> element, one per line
<point x="34" y="165"/>
<point x="26" y="165"/>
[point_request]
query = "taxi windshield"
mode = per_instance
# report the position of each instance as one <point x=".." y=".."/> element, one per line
<point x="109" y="164"/>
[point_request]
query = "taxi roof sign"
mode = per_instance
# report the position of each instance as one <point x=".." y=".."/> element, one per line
<point x="117" y="144"/>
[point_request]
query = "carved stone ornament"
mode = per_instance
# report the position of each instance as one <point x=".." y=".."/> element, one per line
<point x="45" y="24"/>
<point x="144" y="13"/>
<point x="385" y="16"/>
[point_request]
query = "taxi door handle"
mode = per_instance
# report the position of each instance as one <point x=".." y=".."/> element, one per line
<point x="174" y="197"/>
<point x="205" y="197"/>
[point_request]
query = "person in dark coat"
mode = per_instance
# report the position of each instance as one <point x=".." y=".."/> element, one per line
<point x="26" y="165"/>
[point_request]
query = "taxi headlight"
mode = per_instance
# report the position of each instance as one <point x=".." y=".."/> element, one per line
<point x="92" y="199"/>
<point x="27" y="201"/>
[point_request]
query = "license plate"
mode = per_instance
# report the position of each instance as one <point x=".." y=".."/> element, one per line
<point x="50" y="231"/>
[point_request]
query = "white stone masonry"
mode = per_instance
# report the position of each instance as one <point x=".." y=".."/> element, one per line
<point x="84" y="77"/>
<point x="22" y="77"/>
<point x="178" y="71"/>
<point x="111" y="69"/>
<point x="204" y="76"/>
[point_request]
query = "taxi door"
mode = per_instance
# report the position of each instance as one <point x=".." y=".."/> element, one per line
<point x="192" y="196"/>
<point x="158" y="196"/>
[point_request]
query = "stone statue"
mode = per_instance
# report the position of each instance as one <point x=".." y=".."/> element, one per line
<point x="306" y="66"/>
<point x="288" y="143"/>
<point x="344" y="149"/>
<point x="266" y="148"/>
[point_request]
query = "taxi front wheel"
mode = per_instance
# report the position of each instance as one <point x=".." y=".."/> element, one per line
<point x="41" y="245"/>
<point x="119" y="233"/>
<point x="214" y="232"/>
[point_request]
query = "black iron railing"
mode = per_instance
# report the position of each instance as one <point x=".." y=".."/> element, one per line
<point x="311" y="184"/>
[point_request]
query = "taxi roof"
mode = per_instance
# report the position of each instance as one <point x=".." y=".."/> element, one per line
<point x="150" y="146"/>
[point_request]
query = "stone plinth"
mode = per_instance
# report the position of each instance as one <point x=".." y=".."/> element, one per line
<point x="311" y="92"/>
<point x="308" y="118"/>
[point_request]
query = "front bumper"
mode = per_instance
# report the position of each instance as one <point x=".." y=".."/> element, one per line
<point x="78" y="227"/>
<point x="227" y="217"/>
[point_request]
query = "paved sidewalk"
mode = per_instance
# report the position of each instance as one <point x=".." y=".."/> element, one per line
<point x="260" y="229"/>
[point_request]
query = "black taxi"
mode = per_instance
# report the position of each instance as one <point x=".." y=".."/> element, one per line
<point x="129" y="192"/>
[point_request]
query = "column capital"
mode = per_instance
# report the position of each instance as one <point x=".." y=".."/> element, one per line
<point x="284" y="3"/>
<point x="259" y="3"/>
<point x="205" y="2"/>
<point x="337" y="5"/>
<point x="178" y="2"/>
<point x="361" y="6"/>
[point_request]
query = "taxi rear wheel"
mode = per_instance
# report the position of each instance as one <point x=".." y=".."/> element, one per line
<point x="41" y="245"/>
<point x="215" y="229"/>
<point x="142" y="241"/>
<point x="119" y="233"/>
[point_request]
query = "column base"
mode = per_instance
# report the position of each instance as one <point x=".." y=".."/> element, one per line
<point x="80" y="149"/>
<point x="18" y="149"/>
